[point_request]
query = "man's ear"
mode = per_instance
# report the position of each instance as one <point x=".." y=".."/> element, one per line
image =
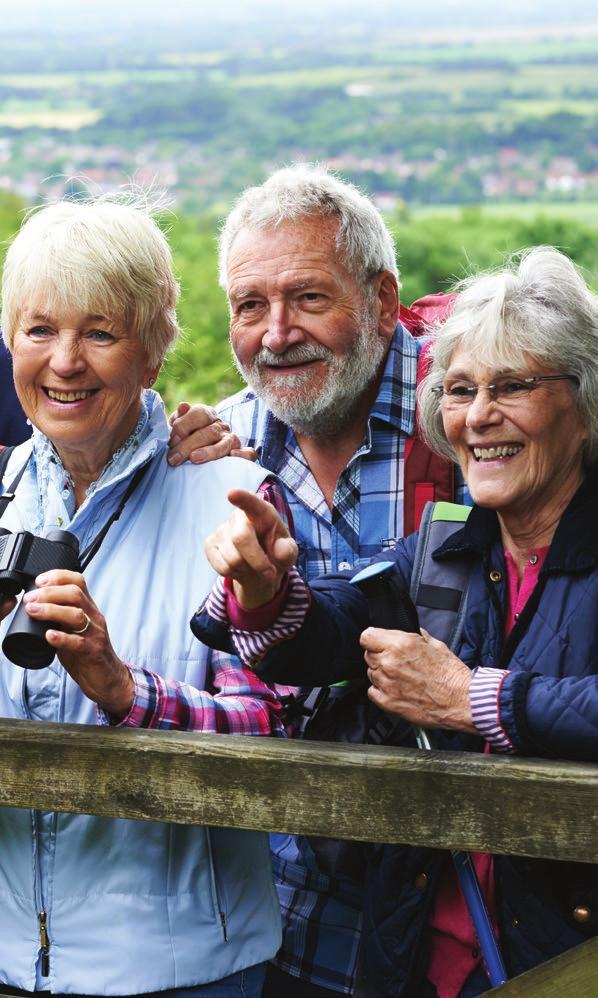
<point x="388" y="301"/>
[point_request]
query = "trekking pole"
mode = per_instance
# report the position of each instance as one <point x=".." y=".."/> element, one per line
<point x="391" y="607"/>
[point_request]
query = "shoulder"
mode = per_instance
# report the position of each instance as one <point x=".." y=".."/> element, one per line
<point x="246" y="414"/>
<point x="210" y="479"/>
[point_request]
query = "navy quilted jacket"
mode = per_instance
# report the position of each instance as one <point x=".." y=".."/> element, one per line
<point x="549" y="707"/>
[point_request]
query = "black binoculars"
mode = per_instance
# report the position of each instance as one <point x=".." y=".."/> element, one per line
<point x="23" y="557"/>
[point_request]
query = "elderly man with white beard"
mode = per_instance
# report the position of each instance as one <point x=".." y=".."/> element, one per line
<point x="309" y="269"/>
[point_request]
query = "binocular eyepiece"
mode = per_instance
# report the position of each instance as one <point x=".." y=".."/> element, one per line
<point x="23" y="557"/>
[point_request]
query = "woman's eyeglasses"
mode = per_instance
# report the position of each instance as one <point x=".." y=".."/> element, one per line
<point x="507" y="390"/>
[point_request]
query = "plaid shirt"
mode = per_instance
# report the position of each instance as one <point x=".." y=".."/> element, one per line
<point x="322" y="919"/>
<point x="236" y="702"/>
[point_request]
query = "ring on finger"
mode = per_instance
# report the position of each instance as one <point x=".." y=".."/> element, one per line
<point x="83" y="629"/>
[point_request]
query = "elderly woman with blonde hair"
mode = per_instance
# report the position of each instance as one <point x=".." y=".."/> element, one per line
<point x="512" y="395"/>
<point x="94" y="906"/>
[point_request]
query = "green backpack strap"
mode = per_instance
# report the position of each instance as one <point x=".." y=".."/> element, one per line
<point x="439" y="588"/>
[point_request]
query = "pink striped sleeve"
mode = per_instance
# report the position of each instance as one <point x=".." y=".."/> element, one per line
<point x="484" y="693"/>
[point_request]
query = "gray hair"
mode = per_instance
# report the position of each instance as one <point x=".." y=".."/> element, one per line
<point x="301" y="191"/>
<point x="105" y="256"/>
<point x="538" y="306"/>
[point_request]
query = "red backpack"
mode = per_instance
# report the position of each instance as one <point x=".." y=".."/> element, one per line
<point x="426" y="477"/>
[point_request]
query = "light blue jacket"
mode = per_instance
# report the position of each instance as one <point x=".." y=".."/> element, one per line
<point x="132" y="906"/>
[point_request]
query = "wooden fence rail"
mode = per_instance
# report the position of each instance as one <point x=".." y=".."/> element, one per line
<point x="526" y="807"/>
<point x="443" y="799"/>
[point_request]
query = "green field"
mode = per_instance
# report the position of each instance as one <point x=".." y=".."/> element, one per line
<point x="578" y="211"/>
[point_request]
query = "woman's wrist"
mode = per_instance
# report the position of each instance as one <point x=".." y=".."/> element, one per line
<point x="255" y="597"/>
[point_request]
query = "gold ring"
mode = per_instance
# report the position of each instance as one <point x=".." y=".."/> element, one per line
<point x="83" y="629"/>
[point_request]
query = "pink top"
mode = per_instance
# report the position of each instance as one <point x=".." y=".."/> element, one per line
<point x="454" y="952"/>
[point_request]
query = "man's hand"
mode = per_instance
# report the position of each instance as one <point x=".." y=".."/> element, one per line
<point x="199" y="435"/>
<point x="418" y="677"/>
<point x="253" y="547"/>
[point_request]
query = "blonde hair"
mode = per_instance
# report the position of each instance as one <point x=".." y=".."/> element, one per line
<point x="105" y="257"/>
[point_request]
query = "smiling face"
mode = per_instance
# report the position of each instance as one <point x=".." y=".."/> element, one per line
<point x="303" y="335"/>
<point x="79" y="379"/>
<point x="521" y="458"/>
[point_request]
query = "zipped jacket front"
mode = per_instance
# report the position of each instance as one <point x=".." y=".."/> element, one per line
<point x="130" y="906"/>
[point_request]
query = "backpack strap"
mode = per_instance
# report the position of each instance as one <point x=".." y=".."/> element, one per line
<point x="427" y="477"/>
<point x="439" y="588"/>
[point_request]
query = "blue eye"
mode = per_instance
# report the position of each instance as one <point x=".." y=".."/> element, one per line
<point x="100" y="336"/>
<point x="39" y="332"/>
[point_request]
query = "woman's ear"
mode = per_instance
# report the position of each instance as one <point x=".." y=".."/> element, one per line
<point x="152" y="374"/>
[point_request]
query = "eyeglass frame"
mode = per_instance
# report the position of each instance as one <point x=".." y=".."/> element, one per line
<point x="532" y="381"/>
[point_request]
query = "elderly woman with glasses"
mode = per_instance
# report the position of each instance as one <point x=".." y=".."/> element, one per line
<point x="512" y="395"/>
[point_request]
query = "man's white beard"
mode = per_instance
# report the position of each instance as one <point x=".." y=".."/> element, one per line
<point x="322" y="412"/>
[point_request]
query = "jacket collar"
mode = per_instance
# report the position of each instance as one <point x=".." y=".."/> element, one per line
<point x="574" y="546"/>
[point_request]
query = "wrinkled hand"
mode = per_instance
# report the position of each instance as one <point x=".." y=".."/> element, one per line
<point x="199" y="435"/>
<point x="62" y="598"/>
<point x="418" y="677"/>
<point x="253" y="547"/>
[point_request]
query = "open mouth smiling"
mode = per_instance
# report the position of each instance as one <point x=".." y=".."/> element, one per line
<point x="72" y="396"/>
<point x="499" y="452"/>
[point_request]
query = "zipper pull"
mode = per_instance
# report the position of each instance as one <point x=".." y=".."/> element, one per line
<point x="44" y="940"/>
<point x="223" y="924"/>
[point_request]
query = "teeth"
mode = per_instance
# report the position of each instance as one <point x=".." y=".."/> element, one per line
<point x="68" y="396"/>
<point x="491" y="453"/>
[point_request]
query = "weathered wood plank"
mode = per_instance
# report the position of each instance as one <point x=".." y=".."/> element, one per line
<point x="574" y="973"/>
<point x="508" y="805"/>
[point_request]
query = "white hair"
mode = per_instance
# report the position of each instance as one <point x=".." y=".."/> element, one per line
<point x="306" y="191"/>
<point x="537" y="306"/>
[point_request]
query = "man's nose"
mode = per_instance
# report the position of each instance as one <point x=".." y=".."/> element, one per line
<point x="281" y="332"/>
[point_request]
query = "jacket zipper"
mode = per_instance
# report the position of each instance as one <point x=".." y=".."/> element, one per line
<point x="44" y="941"/>
<point x="42" y="915"/>
<point x="217" y="903"/>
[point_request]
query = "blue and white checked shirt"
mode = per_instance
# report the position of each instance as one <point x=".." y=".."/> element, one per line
<point x="322" y="918"/>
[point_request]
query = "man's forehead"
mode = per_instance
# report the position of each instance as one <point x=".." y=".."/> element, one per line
<point x="294" y="253"/>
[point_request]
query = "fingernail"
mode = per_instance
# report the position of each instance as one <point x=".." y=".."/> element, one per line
<point x="41" y="580"/>
<point x="197" y="456"/>
<point x="175" y="440"/>
<point x="174" y="459"/>
<point x="33" y="607"/>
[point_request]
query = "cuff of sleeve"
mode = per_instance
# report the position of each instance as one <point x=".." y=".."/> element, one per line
<point x="261" y="617"/>
<point x="144" y="709"/>
<point x="484" y="693"/>
<point x="251" y="646"/>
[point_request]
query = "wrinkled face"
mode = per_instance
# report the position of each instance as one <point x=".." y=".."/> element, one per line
<point x="79" y="379"/>
<point x="520" y="457"/>
<point x="301" y="331"/>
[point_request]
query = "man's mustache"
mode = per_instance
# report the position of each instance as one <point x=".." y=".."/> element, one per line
<point x="299" y="354"/>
